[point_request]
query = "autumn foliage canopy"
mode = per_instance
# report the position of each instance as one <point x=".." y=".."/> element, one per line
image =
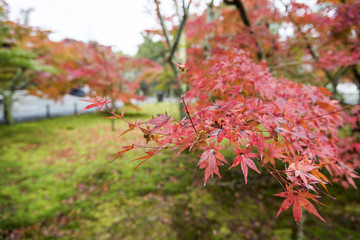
<point x="272" y="124"/>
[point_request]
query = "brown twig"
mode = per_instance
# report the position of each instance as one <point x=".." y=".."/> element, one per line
<point x="272" y="174"/>
<point x="187" y="111"/>
<point x="246" y="20"/>
<point x="318" y="116"/>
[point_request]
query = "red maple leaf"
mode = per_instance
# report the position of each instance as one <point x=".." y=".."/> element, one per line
<point x="161" y="121"/>
<point x="148" y="155"/>
<point x="126" y="149"/>
<point x="208" y="161"/>
<point x="303" y="170"/>
<point x="298" y="199"/>
<point x="244" y="159"/>
<point x="98" y="102"/>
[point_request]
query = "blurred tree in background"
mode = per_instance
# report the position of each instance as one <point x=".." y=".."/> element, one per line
<point x="151" y="49"/>
<point x="19" y="64"/>
<point x="155" y="51"/>
<point x="30" y="60"/>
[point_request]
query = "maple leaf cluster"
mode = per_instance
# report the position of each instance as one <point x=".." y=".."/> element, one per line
<point x="286" y="128"/>
<point x="323" y="47"/>
<point x="272" y="125"/>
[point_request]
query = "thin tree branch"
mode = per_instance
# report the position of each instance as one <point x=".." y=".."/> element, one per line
<point x="333" y="79"/>
<point x="285" y="64"/>
<point x="211" y="4"/>
<point x="245" y="18"/>
<point x="177" y="8"/>
<point x="187" y="111"/>
<point x="173" y="47"/>
<point x="181" y="28"/>
<point x="318" y="116"/>
<point x="166" y="34"/>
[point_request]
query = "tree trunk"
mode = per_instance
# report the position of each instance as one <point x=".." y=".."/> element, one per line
<point x="8" y="116"/>
<point x="334" y="89"/>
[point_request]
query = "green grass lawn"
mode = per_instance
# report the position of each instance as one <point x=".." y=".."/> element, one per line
<point x="58" y="182"/>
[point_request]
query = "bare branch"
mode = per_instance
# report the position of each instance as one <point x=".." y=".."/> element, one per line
<point x="318" y="116"/>
<point x="180" y="30"/>
<point x="229" y="2"/>
<point x="245" y="18"/>
<point x="166" y="34"/>
<point x="334" y="79"/>
<point x="187" y="111"/>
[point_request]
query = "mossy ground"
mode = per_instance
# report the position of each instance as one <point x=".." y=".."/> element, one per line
<point x="58" y="182"/>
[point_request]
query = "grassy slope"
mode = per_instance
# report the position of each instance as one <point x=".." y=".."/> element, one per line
<point x="57" y="182"/>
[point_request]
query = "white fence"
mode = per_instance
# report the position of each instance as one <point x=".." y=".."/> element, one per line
<point x="28" y="108"/>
